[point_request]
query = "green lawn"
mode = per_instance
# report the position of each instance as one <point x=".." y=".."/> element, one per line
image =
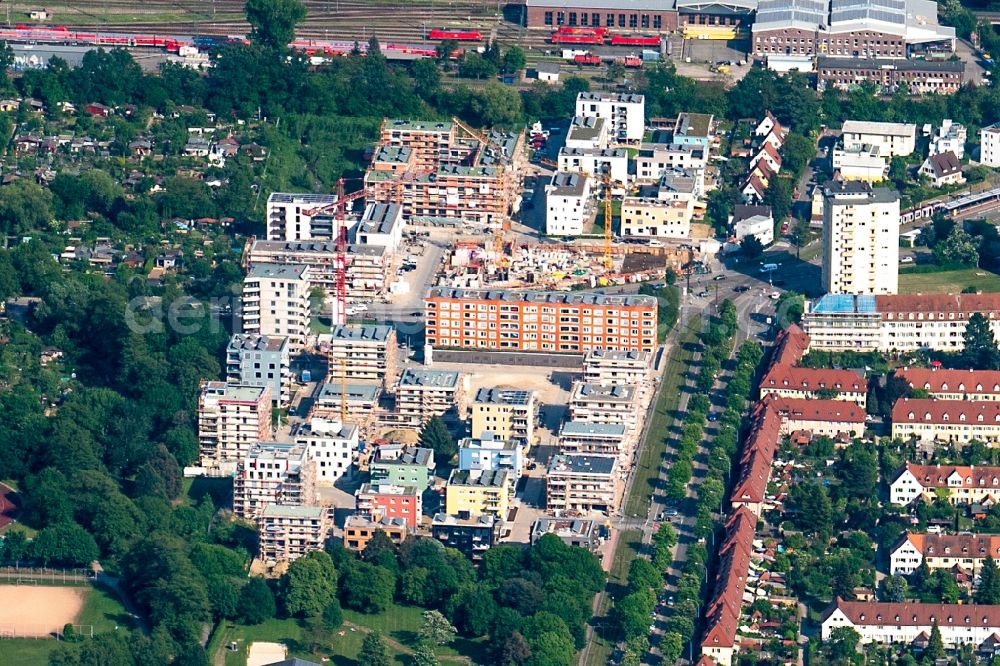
<point x="948" y="281"/>
<point x="27" y="651"/>
<point x="104" y="611"/>
<point x="655" y="446"/>
<point x="399" y="625"/>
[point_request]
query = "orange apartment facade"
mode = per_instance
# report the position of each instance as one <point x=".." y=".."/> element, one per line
<point x="539" y="321"/>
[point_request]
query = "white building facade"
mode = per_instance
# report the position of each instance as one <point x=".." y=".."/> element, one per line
<point x="860" y="239"/>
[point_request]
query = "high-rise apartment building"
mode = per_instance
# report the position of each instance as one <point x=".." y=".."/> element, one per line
<point x="276" y="302"/>
<point x="231" y="418"/>
<point x="860" y="239"/>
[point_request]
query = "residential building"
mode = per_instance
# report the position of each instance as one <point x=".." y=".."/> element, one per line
<point x="892" y="139"/>
<point x="273" y="473"/>
<point x="617" y="368"/>
<point x="897" y="323"/>
<point x="509" y="413"/>
<point x="754" y="221"/>
<point x="989" y="145"/>
<point x="261" y="360"/>
<point x="579" y="532"/>
<point x="694" y="129"/>
<point x="950" y="136"/>
<point x="849" y="29"/>
<point x="903" y="623"/>
<point x="595" y="162"/>
<point x="821" y="418"/>
<point x="231" y="418"/>
<point x="860" y="162"/>
<point x="945" y="384"/>
<point x="655" y="159"/>
<point x="430" y="142"/>
<point x="920" y="76"/>
<point x="577" y="482"/>
<point x="489" y="453"/>
<point x="367" y="271"/>
<point x="331" y="445"/>
<point x="860" y="239"/>
<point x="767" y="154"/>
<point x="276" y="302"/>
<point x="942" y="169"/>
<point x="381" y="224"/>
<point x="960" y="484"/>
<point x="390" y="502"/>
<point x="721" y="642"/>
<point x="942" y="551"/>
<point x="357" y="398"/>
<point x="401" y="465"/>
<point x="471" y="535"/>
<point x="625" y="113"/>
<point x="286" y="533"/>
<point x="566" y="204"/>
<point x="587" y="132"/>
<point x="756" y="458"/>
<point x="952" y="421"/>
<point x="359" y="530"/>
<point x="424" y="393"/>
<point x="539" y="321"/>
<point x="596" y="403"/>
<point x="604" y="439"/>
<point x="478" y="492"/>
<point x="289" y="216"/>
<point x="647" y="213"/>
<point x="365" y="352"/>
<point x="548" y="71"/>
<point x="788" y="381"/>
<point x="647" y="14"/>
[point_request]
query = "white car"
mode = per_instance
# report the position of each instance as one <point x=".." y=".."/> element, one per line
<point x="775" y="295"/>
<point x="906" y="260"/>
<point x="360" y="307"/>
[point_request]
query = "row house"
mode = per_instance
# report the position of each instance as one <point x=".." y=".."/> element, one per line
<point x="952" y="421"/>
<point x="946" y="384"/>
<point x="822" y="418"/>
<point x="959" y="484"/>
<point x="720" y="642"/>
<point x="942" y="551"/>
<point x="801" y="383"/>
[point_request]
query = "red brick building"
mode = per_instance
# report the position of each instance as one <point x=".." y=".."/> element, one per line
<point x="652" y="16"/>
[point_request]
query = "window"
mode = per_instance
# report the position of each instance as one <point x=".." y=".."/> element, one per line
<point x="572" y="18"/>
<point x="621" y="20"/>
<point x="645" y="20"/>
<point x="633" y="20"/>
<point x="561" y="18"/>
<point x="657" y="21"/>
<point x="595" y="19"/>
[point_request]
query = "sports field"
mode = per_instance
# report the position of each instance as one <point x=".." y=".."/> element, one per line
<point x="948" y="282"/>
<point x="33" y="610"/>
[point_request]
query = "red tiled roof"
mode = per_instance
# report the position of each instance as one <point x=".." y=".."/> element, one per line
<point x="791" y="345"/>
<point x="937" y="306"/>
<point x="975" y="546"/>
<point x="945" y="164"/>
<point x="722" y="614"/>
<point x="930" y="410"/>
<point x="812" y="379"/>
<point x="940" y="380"/>
<point x="866" y="613"/>
<point x="834" y="411"/>
<point x="770" y="150"/>
<point x="758" y="454"/>
<point x="936" y="476"/>
<point x="756" y="184"/>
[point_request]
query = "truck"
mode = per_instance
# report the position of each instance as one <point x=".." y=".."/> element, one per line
<point x="305" y="377"/>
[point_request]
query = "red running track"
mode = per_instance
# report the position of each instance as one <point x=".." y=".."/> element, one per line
<point x="8" y="505"/>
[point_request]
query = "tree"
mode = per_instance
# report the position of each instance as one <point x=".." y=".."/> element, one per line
<point x="893" y="589"/>
<point x="779" y="197"/>
<point x="988" y="591"/>
<point x="424" y="656"/>
<point x="514" y="650"/>
<point x="374" y="651"/>
<point x="256" y="602"/>
<point x="368" y="588"/>
<point x="935" y="646"/>
<point x="751" y="247"/>
<point x="844" y="644"/>
<point x="272" y="22"/>
<point x="959" y="248"/>
<point x="643" y="575"/>
<point x="495" y="105"/>
<point x="436" y="628"/>
<point x="435" y="436"/>
<point x="65" y="544"/>
<point x="24" y="207"/>
<point x="798" y="151"/>
<point x="333" y="616"/>
<point x="980" y="351"/>
<point x="310" y="584"/>
<point x="513" y="60"/>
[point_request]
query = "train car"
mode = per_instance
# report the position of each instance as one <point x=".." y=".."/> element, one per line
<point x="563" y="38"/>
<point x="633" y="61"/>
<point x="587" y="59"/>
<point x="581" y="30"/>
<point x="440" y="34"/>
<point x="634" y="40"/>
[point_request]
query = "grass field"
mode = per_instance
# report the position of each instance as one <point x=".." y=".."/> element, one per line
<point x="951" y="282"/>
<point x="637" y="502"/>
<point x="399" y="625"/>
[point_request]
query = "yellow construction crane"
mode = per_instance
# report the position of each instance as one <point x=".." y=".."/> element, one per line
<point x="608" y="223"/>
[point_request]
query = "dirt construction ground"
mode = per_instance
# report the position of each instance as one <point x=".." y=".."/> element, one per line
<point x="34" y="610"/>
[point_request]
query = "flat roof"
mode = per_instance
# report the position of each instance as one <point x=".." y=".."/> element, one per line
<point x="565" y="184"/>
<point x="426" y="377"/>
<point x="554" y="297"/>
<point x="356" y="391"/>
<point x="503" y="396"/>
<point x="582" y="464"/>
<point x="844" y="304"/>
<point x="621" y="98"/>
<point x="276" y="450"/>
<point x="852" y="192"/>
<point x="579" y="428"/>
<point x="486" y="478"/>
<point x="585" y="390"/>
<point x="624" y="5"/>
<point x="277" y="271"/>
<point x="693" y="124"/>
<point x="911" y="65"/>
<point x="359" y="332"/>
<point x="293" y="511"/>
<point x="301" y="198"/>
<point x="419" y="125"/>
<point x="233" y="392"/>
<point x="482" y="520"/>
<point x="598" y="152"/>
<point x="378" y="488"/>
<point x="617" y="355"/>
<point x="257" y="342"/>
<point x="583" y="128"/>
<point x="882" y="129"/>
<point x="393" y="154"/>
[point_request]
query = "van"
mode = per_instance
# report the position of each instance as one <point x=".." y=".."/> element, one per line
<point x="767" y="268"/>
